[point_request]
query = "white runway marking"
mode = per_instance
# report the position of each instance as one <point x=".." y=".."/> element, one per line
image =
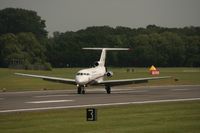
<point x="103" y="89"/>
<point x="96" y="105"/>
<point x="180" y="89"/>
<point x="120" y="92"/>
<point x="116" y="88"/>
<point x="52" y="96"/>
<point x="51" y="101"/>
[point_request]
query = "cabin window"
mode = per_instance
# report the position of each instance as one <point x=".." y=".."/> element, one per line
<point x="82" y="74"/>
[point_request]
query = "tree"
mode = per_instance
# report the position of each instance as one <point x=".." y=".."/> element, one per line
<point x="23" y="37"/>
<point x="14" y="20"/>
<point x="151" y="45"/>
<point x="9" y="49"/>
<point x="31" y="48"/>
<point x="174" y="48"/>
<point x="22" y="48"/>
<point x="192" y="53"/>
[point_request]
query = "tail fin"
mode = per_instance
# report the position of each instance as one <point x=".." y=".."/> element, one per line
<point x="103" y="53"/>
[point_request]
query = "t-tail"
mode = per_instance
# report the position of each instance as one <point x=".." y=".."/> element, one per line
<point x="103" y="53"/>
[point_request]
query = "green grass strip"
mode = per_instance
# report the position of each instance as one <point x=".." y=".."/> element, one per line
<point x="171" y="117"/>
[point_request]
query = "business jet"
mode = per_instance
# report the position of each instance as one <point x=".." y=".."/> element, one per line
<point x="95" y="75"/>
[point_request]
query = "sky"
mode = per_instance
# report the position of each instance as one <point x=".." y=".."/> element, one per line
<point x="73" y="15"/>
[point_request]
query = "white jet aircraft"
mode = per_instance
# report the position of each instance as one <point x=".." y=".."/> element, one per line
<point x="95" y="75"/>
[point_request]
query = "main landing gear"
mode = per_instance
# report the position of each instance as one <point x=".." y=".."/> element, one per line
<point x="108" y="89"/>
<point x="81" y="90"/>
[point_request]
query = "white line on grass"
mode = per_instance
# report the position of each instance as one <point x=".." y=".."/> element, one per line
<point x="97" y="105"/>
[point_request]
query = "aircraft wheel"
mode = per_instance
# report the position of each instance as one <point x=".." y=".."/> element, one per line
<point x="83" y="91"/>
<point x="79" y="90"/>
<point x="108" y="89"/>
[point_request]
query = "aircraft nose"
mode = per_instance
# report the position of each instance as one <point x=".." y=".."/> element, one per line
<point x="81" y="80"/>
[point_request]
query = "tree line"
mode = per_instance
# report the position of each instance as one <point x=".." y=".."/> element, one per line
<point x="23" y="39"/>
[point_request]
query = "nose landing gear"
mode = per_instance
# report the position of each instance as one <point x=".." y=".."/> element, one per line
<point x="81" y="90"/>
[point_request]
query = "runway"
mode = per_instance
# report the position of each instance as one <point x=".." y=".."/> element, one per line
<point x="60" y="99"/>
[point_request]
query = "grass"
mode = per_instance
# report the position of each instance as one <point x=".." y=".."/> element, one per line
<point x="12" y="82"/>
<point x="176" y="117"/>
<point x="17" y="83"/>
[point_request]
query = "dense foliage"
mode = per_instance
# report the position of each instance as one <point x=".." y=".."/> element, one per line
<point x="20" y="20"/>
<point x="150" y="45"/>
<point x="23" y="39"/>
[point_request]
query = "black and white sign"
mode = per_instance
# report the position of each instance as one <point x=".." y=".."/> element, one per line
<point x="91" y="114"/>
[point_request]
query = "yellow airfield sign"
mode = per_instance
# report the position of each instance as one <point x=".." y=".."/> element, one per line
<point x="152" y="68"/>
<point x="154" y="71"/>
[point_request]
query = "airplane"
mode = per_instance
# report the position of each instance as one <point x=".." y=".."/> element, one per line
<point x="95" y="75"/>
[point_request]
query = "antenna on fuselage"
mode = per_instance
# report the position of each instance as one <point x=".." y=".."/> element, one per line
<point x="103" y="53"/>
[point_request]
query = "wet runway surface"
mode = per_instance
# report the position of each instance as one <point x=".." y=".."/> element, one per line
<point x="59" y="99"/>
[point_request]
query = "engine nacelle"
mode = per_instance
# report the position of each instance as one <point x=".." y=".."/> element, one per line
<point x="96" y="63"/>
<point x="109" y="74"/>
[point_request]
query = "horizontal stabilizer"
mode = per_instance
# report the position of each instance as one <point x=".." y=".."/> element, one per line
<point x="103" y="53"/>
<point x="106" y="48"/>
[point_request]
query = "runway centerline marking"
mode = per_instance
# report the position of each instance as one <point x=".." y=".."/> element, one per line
<point x="51" y="101"/>
<point x="97" y="105"/>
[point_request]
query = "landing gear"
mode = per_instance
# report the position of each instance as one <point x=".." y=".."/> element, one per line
<point x="81" y="90"/>
<point x="108" y="89"/>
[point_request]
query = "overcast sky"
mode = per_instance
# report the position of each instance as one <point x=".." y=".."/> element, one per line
<point x="67" y="15"/>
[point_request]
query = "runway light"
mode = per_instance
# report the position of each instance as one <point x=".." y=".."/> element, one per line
<point x="176" y="79"/>
<point x="4" y="90"/>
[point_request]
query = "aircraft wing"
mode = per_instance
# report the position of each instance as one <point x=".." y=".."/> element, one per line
<point x="130" y="81"/>
<point x="48" y="78"/>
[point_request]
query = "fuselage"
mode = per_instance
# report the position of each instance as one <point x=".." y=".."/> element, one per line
<point x="90" y="75"/>
<point x="96" y="74"/>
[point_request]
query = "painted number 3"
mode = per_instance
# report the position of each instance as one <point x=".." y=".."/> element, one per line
<point x="91" y="114"/>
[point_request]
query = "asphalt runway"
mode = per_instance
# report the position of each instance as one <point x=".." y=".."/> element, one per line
<point x="60" y="99"/>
